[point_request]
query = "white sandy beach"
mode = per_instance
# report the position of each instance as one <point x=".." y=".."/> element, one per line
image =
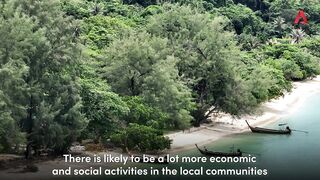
<point x="224" y="124"/>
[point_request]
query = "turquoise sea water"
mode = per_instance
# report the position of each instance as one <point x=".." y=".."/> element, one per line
<point x="295" y="156"/>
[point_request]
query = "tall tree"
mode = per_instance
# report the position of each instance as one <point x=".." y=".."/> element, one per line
<point x="16" y="43"/>
<point x="102" y="107"/>
<point x="207" y="59"/>
<point x="142" y="65"/>
<point x="47" y="48"/>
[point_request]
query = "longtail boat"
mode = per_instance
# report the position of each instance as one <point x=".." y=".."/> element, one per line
<point x="217" y="154"/>
<point x="269" y="131"/>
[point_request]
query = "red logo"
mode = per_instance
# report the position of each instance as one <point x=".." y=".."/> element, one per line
<point x="301" y="15"/>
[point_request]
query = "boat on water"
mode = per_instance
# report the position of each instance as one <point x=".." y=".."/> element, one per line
<point x="217" y="154"/>
<point x="269" y="131"/>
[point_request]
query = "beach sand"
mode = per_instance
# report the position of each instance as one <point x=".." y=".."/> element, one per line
<point x="224" y="124"/>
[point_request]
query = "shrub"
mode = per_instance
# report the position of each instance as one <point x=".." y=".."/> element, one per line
<point x="140" y="137"/>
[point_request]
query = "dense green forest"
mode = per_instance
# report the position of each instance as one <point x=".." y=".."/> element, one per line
<point x="126" y="71"/>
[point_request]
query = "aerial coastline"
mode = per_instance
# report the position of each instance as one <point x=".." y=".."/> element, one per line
<point x="225" y="125"/>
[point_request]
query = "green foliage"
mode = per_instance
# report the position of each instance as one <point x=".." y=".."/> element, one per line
<point x="207" y="58"/>
<point x="141" y="113"/>
<point x="142" y="138"/>
<point x="152" y="10"/>
<point x="16" y="45"/>
<point x="279" y="85"/>
<point x="312" y="45"/>
<point x="141" y="2"/>
<point x="10" y="135"/>
<point x="253" y="4"/>
<point x="264" y="79"/>
<point x="279" y="27"/>
<point x="142" y="65"/>
<point x="248" y="42"/>
<point x="243" y="19"/>
<point x="77" y="8"/>
<point x="81" y="9"/>
<point x="46" y="102"/>
<point x="99" y="31"/>
<point x="101" y="107"/>
<point x="117" y="8"/>
<point x="290" y="69"/>
<point x="295" y="62"/>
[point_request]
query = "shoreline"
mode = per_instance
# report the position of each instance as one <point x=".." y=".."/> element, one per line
<point x="225" y="125"/>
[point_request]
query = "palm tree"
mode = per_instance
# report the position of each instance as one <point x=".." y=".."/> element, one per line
<point x="297" y="35"/>
<point x="272" y="42"/>
<point x="279" y="26"/>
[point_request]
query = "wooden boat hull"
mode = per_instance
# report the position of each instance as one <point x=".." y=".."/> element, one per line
<point x="268" y="131"/>
<point x="219" y="154"/>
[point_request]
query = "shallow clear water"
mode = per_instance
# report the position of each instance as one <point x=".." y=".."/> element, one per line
<point x="295" y="156"/>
